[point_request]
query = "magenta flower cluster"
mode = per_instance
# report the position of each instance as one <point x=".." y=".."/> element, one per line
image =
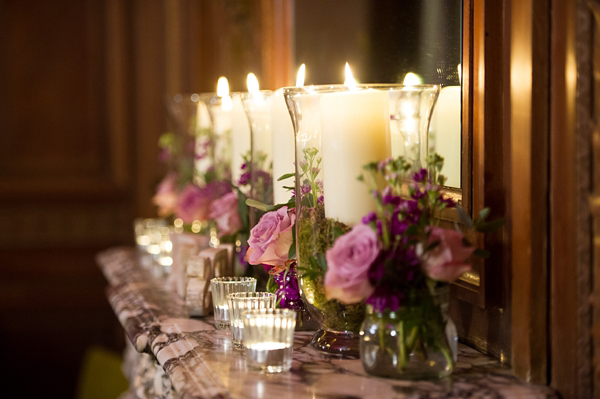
<point x="396" y="250"/>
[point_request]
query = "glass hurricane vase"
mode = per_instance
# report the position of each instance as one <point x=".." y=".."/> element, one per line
<point x="338" y="130"/>
<point x="412" y="342"/>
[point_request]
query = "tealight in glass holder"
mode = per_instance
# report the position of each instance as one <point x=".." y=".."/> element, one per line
<point x="223" y="286"/>
<point x="268" y="339"/>
<point x="244" y="301"/>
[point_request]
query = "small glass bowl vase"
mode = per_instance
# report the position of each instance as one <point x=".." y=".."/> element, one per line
<point x="412" y="342"/>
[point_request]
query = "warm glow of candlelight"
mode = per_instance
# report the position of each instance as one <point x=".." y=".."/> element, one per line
<point x="223" y="91"/>
<point x="412" y="79"/>
<point x="252" y="83"/>
<point x="300" y="76"/>
<point x="222" y="87"/>
<point x="349" y="81"/>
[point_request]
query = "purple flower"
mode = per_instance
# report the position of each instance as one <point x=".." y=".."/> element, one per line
<point x="288" y="291"/>
<point x="448" y="201"/>
<point x="306" y="188"/>
<point x="420" y="176"/>
<point x="369" y="217"/>
<point x="388" y="198"/>
<point x="244" y="179"/>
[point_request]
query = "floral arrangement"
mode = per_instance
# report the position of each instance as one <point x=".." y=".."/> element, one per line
<point x="272" y="244"/>
<point x="398" y="257"/>
<point x="399" y="249"/>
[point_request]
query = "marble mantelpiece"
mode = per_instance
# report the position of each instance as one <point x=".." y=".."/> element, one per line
<point x="202" y="363"/>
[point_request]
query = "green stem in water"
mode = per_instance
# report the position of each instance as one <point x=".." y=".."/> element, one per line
<point x="402" y="347"/>
<point x="382" y="333"/>
<point x="412" y="338"/>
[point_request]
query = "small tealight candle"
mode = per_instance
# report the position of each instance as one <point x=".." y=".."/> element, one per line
<point x="268" y="339"/>
<point x="220" y="288"/>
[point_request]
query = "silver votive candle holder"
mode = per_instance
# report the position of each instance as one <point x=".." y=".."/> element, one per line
<point x="223" y="286"/>
<point x="268" y="339"/>
<point x="240" y="302"/>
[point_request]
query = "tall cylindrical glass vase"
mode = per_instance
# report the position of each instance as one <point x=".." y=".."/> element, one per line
<point x="338" y="130"/>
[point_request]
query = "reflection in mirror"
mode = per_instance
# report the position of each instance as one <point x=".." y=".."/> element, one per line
<point x="384" y="41"/>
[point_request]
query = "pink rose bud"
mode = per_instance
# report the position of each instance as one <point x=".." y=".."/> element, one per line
<point x="271" y="239"/>
<point x="447" y="261"/>
<point x="225" y="213"/>
<point x="348" y="263"/>
<point x="166" y="195"/>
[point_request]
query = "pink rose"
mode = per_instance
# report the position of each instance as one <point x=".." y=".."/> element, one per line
<point x="224" y="211"/>
<point x="192" y="204"/>
<point x="166" y="195"/>
<point x="271" y="238"/>
<point x="447" y="261"/>
<point x="348" y="263"/>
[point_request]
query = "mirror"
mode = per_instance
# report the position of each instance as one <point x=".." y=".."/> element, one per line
<point x="384" y="41"/>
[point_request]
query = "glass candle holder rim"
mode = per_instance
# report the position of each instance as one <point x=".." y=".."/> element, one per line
<point x="192" y="97"/>
<point x="244" y="95"/>
<point x="332" y="88"/>
<point x="251" y="295"/>
<point x="269" y="312"/>
<point x="231" y="280"/>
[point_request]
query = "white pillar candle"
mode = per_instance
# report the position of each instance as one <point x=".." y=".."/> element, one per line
<point x="282" y="134"/>
<point x="355" y="131"/>
<point x="259" y="116"/>
<point x="445" y="129"/>
<point x="240" y="137"/>
<point x="203" y="122"/>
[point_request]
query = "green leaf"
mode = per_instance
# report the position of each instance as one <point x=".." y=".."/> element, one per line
<point x="243" y="210"/>
<point x="481" y="253"/>
<point x="286" y="176"/>
<point x="337" y="232"/>
<point x="289" y="187"/>
<point x="258" y="205"/>
<point x="292" y="251"/>
<point x="322" y="262"/>
<point x="484" y="213"/>
<point x="464" y="217"/>
<point x="491" y="226"/>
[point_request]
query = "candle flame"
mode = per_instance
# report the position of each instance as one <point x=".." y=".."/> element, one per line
<point x="252" y="83"/>
<point x="300" y="76"/>
<point x="222" y="87"/>
<point x="349" y="81"/>
<point x="412" y="79"/>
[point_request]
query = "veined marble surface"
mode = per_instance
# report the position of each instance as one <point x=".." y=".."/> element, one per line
<point x="202" y="363"/>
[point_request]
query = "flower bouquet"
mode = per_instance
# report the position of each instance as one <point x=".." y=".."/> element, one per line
<point x="399" y="261"/>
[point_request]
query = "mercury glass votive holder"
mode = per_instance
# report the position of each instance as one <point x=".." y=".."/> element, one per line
<point x="223" y="286"/>
<point x="244" y="301"/>
<point x="268" y="338"/>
